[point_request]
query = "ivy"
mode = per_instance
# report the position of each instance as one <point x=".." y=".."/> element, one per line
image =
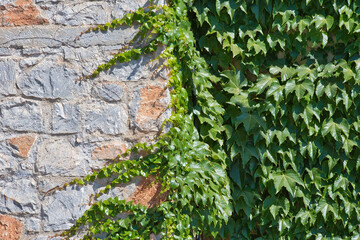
<point x="265" y="138"/>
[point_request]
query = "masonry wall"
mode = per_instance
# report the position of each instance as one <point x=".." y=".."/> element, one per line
<point x="54" y="128"/>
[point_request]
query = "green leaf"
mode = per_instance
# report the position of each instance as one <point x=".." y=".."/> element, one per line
<point x="325" y="208"/>
<point x="250" y="121"/>
<point x="288" y="179"/>
<point x="236" y="81"/>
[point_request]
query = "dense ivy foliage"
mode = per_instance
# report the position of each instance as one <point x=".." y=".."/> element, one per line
<point x="265" y="139"/>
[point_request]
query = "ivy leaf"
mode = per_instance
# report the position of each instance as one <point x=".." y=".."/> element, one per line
<point x="299" y="88"/>
<point x="289" y="179"/>
<point x="335" y="129"/>
<point x="263" y="82"/>
<point x="236" y="81"/>
<point x="250" y="121"/>
<point x="257" y="45"/>
<point x="325" y="208"/>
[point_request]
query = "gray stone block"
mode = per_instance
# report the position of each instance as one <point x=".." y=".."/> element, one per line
<point x="19" y="196"/>
<point x="108" y="119"/>
<point x="48" y="80"/>
<point x="66" y="118"/>
<point x="7" y="77"/>
<point x="62" y="208"/>
<point x="22" y="115"/>
<point x="60" y="158"/>
<point x="110" y="92"/>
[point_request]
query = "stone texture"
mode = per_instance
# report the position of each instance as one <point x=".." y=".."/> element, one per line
<point x="20" y="12"/>
<point x="33" y="224"/>
<point x="47" y="80"/>
<point x="108" y="119"/>
<point x="148" y="193"/>
<point x="22" y="145"/>
<point x="54" y="128"/>
<point x="7" y="77"/>
<point x="10" y="228"/>
<point x="66" y="118"/>
<point x="60" y="158"/>
<point x="62" y="208"/>
<point x="107" y="152"/>
<point x="22" y="115"/>
<point x="19" y="196"/>
<point x="148" y="106"/>
<point x="110" y="92"/>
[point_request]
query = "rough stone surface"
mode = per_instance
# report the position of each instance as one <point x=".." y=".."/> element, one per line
<point x="48" y="81"/>
<point x="7" y="77"/>
<point x="63" y="207"/>
<point x="22" y="145"/>
<point x="149" y="106"/>
<point x="10" y="228"/>
<point x="107" y="152"/>
<point x="54" y="128"/>
<point x="19" y="196"/>
<point x="71" y="161"/>
<point x="108" y="119"/>
<point x="22" y="115"/>
<point x="20" y="12"/>
<point x="110" y="92"/>
<point x="66" y="118"/>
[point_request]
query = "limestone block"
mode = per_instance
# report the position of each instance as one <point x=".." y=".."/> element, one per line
<point x="66" y="118"/>
<point x="59" y="158"/>
<point x="7" y="77"/>
<point x="62" y="208"/>
<point x="108" y="119"/>
<point x="19" y="196"/>
<point x="110" y="92"/>
<point x="22" y="115"/>
<point x="48" y="80"/>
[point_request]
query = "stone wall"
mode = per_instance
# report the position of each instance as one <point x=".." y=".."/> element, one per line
<point x="54" y="128"/>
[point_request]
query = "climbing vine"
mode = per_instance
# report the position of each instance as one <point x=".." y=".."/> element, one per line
<point x="264" y="141"/>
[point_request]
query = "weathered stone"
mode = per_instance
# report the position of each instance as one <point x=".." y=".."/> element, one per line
<point x="60" y="158"/>
<point x="19" y="196"/>
<point x="148" y="106"/>
<point x="107" y="152"/>
<point x="7" y="77"/>
<point x="109" y="119"/>
<point x="33" y="225"/>
<point x="5" y="51"/>
<point x="62" y="208"/>
<point x="31" y="51"/>
<point x="22" y="115"/>
<point x="21" y="12"/>
<point x="110" y="92"/>
<point x="148" y="193"/>
<point x="22" y="145"/>
<point x="47" y="80"/>
<point x="66" y="118"/>
<point x="10" y="228"/>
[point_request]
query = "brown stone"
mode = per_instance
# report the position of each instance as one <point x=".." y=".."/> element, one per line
<point x="151" y="105"/>
<point x="22" y="12"/>
<point x="10" y="228"/>
<point x="148" y="193"/>
<point x="107" y="152"/>
<point x="22" y="145"/>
